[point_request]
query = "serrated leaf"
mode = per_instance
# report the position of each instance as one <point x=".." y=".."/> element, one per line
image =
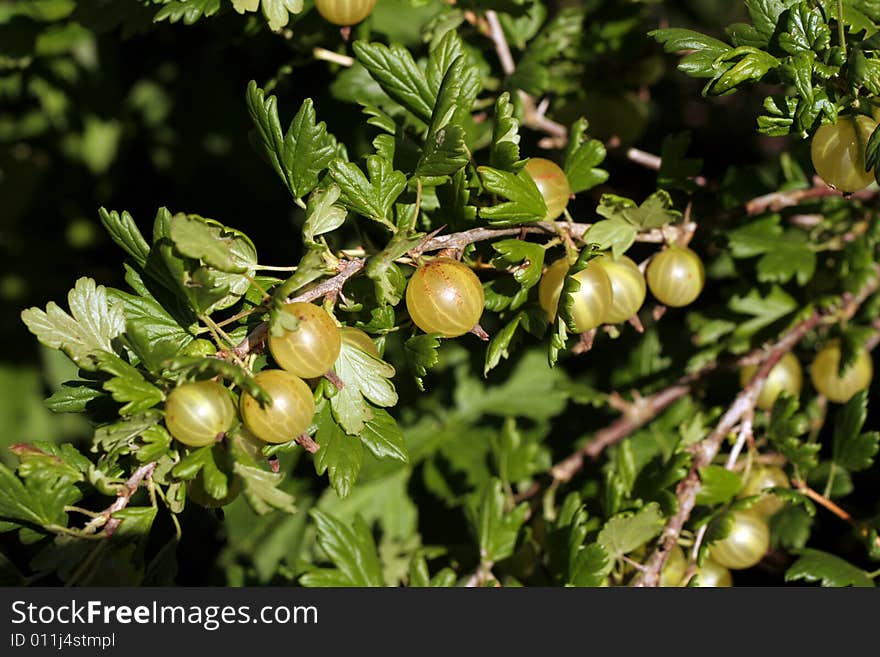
<point x="371" y="197"/>
<point x="351" y="549"/>
<point x="364" y="377"/>
<point x="322" y="215"/>
<point x="73" y="397"/>
<point x="718" y="485"/>
<point x="582" y="159"/>
<point x="91" y="327"/>
<point x="399" y="76"/>
<point x="383" y="437"/>
<point x="852" y="449"/>
<point x="339" y="455"/>
<point x="301" y="154"/>
<point x="124" y="231"/>
<point x="764" y="310"/>
<point x="188" y="11"/>
<point x="209" y="242"/>
<point x="495" y="529"/>
<point x="524" y="201"/>
<point x="828" y="569"/>
<point x="421" y="355"/>
<point x="616" y="234"/>
<point x="627" y="531"/>
<point x="676" y="170"/>
<point x="504" y="151"/>
<point x="528" y="255"/>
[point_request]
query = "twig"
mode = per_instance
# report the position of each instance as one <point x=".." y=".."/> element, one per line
<point x="105" y="518"/>
<point x="776" y="201"/>
<point x="334" y="57"/>
<point x="822" y="500"/>
<point x="305" y="441"/>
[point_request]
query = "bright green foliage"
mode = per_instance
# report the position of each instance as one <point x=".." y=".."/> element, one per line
<point x="520" y="453"/>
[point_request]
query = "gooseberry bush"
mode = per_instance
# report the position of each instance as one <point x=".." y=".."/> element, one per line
<point x="506" y="346"/>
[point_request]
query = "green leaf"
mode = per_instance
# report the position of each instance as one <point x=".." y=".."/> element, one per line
<point x="40" y="502"/>
<point x="616" y="234"/>
<point x="627" y="531"/>
<point x="261" y="488"/>
<point x="399" y="76"/>
<point x="383" y="437"/>
<point x="495" y="529"/>
<point x="189" y="11"/>
<point x="127" y="385"/>
<point x="528" y="255"/>
<point x="571" y="562"/>
<point x="339" y="455"/>
<point x="371" y="197"/>
<point x="504" y="152"/>
<point x="322" y="215"/>
<point x="445" y="150"/>
<point x="852" y="449"/>
<point x="806" y="30"/>
<point x="784" y="256"/>
<point x="655" y="212"/>
<point x="94" y="322"/>
<point x="73" y="397"/>
<point x="764" y="310"/>
<point x="300" y="155"/>
<point x="364" y="377"/>
<point x="582" y="159"/>
<point x="719" y="485"/>
<point x="702" y="50"/>
<point x="524" y="201"/>
<point x="211" y="243"/>
<point x="351" y="548"/>
<point x="786" y="425"/>
<point x="791" y="527"/>
<point x="124" y="231"/>
<point x="421" y="355"/>
<point x="818" y="566"/>
<point x="197" y="368"/>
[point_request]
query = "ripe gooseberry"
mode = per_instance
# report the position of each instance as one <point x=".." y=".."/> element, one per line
<point x="197" y="413"/>
<point x="674" y="568"/>
<point x="628" y="287"/>
<point x="760" y="479"/>
<point x="290" y="413"/>
<point x="357" y="338"/>
<point x="197" y="493"/>
<point x="345" y="12"/>
<point x="713" y="575"/>
<point x="745" y="545"/>
<point x="444" y="296"/>
<point x="676" y="276"/>
<point x="311" y="349"/>
<point x="786" y="376"/>
<point x="838" y="152"/>
<point x="552" y="183"/>
<point x="590" y="302"/>
<point x="824" y="373"/>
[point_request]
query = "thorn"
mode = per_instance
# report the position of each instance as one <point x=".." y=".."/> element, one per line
<point x="636" y="323"/>
<point x="306" y="442"/>
<point x="480" y="333"/>
<point x="658" y="312"/>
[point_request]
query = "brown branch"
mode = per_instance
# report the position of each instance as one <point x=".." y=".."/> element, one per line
<point x="822" y="501"/>
<point x="106" y="519"/>
<point x="706" y="450"/>
<point x="776" y="201"/>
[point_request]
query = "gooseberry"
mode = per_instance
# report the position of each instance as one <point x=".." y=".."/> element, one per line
<point x="310" y="350"/>
<point x="627" y="287"/>
<point x="676" y="276"/>
<point x="198" y="413"/>
<point x="826" y="377"/>
<point x="552" y="183"/>
<point x="786" y="376"/>
<point x="290" y="413"/>
<point x="838" y="152"/>
<point x="590" y="302"/>
<point x="444" y="296"/>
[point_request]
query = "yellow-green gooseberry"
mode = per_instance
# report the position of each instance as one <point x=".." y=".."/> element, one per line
<point x="312" y="348"/>
<point x="444" y="296"/>
<point x="198" y="413"/>
<point x="552" y="183"/>
<point x="745" y="545"/>
<point x="838" y="152"/>
<point x="628" y="287"/>
<point x="590" y="303"/>
<point x="824" y="373"/>
<point x="760" y="479"/>
<point x="345" y="12"/>
<point x="289" y="415"/>
<point x="676" y="276"/>
<point x="786" y="376"/>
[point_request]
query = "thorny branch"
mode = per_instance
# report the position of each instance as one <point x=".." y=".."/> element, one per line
<point x="706" y="450"/>
<point x="105" y="518"/>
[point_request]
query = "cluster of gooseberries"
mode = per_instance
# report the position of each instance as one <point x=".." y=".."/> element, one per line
<point x="838" y="152"/>
<point x="746" y="543"/>
<point x="787" y="376"/>
<point x="200" y="413"/>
